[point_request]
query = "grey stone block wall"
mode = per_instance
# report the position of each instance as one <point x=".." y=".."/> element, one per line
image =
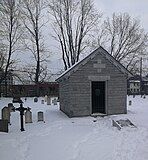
<point x="64" y="96"/>
<point x="75" y="92"/>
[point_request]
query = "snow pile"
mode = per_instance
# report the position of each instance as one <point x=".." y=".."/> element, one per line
<point x="62" y="138"/>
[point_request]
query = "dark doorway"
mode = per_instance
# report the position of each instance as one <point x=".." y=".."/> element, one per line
<point x="98" y="97"/>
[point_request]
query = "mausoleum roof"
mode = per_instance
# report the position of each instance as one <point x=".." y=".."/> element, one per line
<point x="99" y="50"/>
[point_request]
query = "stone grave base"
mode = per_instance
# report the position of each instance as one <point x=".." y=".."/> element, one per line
<point x="123" y="123"/>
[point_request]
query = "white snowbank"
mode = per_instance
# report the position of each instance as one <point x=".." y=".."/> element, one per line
<point x="62" y="138"/>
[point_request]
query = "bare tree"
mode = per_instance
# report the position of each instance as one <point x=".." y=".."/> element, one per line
<point x="10" y="29"/>
<point x="72" y="22"/>
<point x="2" y="57"/>
<point x="32" y="13"/>
<point x="125" y="40"/>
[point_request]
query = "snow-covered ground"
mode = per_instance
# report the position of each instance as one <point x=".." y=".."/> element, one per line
<point x="62" y="138"/>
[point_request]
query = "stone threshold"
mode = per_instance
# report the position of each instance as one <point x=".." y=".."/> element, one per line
<point x="98" y="114"/>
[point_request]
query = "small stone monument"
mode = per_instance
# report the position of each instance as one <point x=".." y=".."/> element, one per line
<point x="54" y="101"/>
<point x="3" y="125"/>
<point x="25" y="99"/>
<point x="123" y="123"/>
<point x="45" y="98"/>
<point x="130" y="103"/>
<point x="6" y="114"/>
<point x="11" y="107"/>
<point x="42" y="101"/>
<point x="1" y="94"/>
<point x="35" y="99"/>
<point x="16" y="99"/>
<point x="28" y="116"/>
<point x="40" y="116"/>
<point x="48" y="100"/>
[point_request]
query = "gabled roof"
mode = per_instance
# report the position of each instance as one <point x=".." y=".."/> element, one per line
<point x="99" y="50"/>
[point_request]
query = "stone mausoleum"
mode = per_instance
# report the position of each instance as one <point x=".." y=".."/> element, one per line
<point x="97" y="85"/>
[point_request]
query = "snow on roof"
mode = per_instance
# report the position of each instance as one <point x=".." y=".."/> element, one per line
<point x="91" y="55"/>
<point x="135" y="81"/>
<point x="68" y="70"/>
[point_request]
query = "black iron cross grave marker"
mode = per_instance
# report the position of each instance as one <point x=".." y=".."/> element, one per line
<point x="21" y="109"/>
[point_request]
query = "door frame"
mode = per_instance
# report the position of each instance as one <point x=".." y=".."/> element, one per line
<point x="106" y="101"/>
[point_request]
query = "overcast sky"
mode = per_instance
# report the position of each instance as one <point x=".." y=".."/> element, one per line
<point x="136" y="8"/>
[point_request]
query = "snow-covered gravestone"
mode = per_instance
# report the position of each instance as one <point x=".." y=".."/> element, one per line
<point x="35" y="99"/>
<point x="6" y="114"/>
<point x="3" y="125"/>
<point x="1" y="94"/>
<point x="45" y="98"/>
<point x="11" y="107"/>
<point x="40" y="116"/>
<point x="130" y="103"/>
<point x="54" y="101"/>
<point x="28" y="116"/>
<point x="48" y="100"/>
<point x="42" y="101"/>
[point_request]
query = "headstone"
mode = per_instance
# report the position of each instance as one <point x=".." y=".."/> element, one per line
<point x="1" y="94"/>
<point x="35" y="99"/>
<point x="130" y="103"/>
<point x="3" y="125"/>
<point x="28" y="116"/>
<point x="40" y="116"/>
<point x="6" y="114"/>
<point x="16" y="99"/>
<point x="45" y="98"/>
<point x="48" y="100"/>
<point x="25" y="99"/>
<point x="11" y="107"/>
<point x="54" y="101"/>
<point x="42" y="101"/>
